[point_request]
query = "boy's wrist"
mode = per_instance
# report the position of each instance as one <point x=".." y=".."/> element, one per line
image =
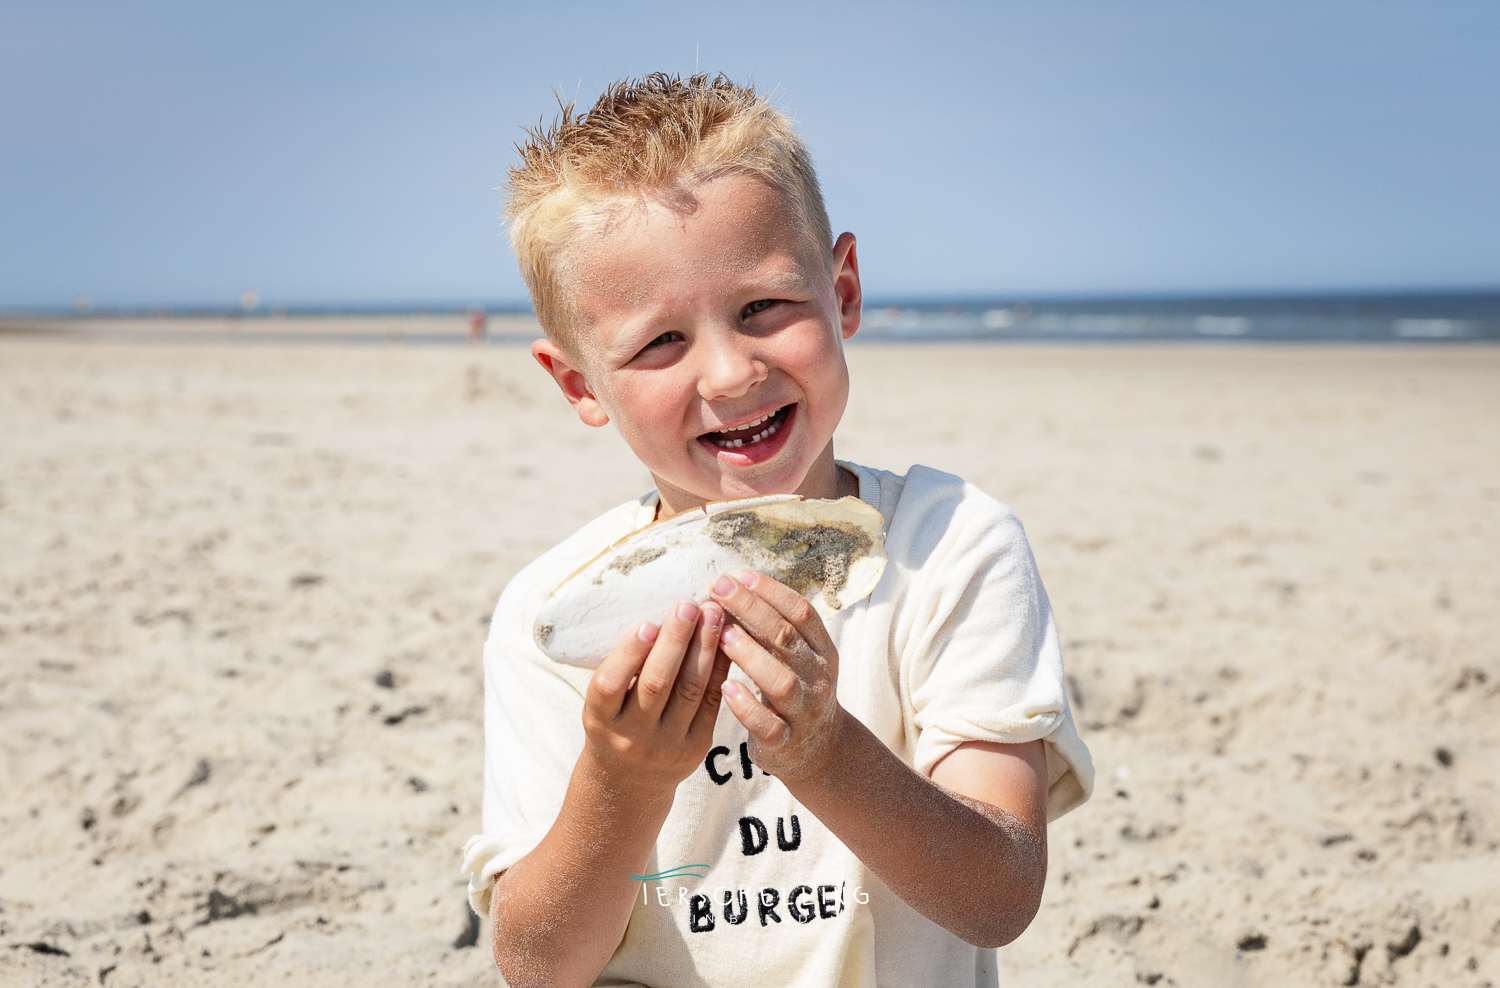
<point x="642" y="791"/>
<point x="828" y="770"/>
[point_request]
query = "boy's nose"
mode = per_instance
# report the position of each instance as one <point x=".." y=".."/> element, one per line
<point x="730" y="369"/>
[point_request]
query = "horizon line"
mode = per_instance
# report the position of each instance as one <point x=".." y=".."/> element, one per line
<point x="521" y="307"/>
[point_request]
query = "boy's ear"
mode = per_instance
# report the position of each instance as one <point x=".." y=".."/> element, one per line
<point x="569" y="377"/>
<point x="846" y="283"/>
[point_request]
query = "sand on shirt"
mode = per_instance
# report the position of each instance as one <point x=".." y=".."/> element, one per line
<point x="243" y="591"/>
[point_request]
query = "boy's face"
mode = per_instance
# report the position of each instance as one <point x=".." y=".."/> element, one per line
<point x="713" y="340"/>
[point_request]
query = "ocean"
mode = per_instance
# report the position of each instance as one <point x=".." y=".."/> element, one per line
<point x="1411" y="318"/>
<point x="1371" y="318"/>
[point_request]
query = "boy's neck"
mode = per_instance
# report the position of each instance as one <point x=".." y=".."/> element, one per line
<point x="825" y="480"/>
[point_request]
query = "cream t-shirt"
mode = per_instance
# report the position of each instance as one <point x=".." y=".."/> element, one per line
<point x="956" y="644"/>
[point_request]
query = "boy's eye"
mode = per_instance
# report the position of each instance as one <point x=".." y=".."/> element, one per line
<point x="665" y="338"/>
<point x="760" y="305"/>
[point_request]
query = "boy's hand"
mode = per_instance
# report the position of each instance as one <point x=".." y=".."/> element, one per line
<point x="650" y="709"/>
<point x="780" y="642"/>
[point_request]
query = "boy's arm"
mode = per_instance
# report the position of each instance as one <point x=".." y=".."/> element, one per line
<point x="559" y="913"/>
<point x="968" y="849"/>
<point x="971" y="864"/>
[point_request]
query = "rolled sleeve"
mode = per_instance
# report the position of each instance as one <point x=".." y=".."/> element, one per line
<point x="980" y="656"/>
<point x="486" y="857"/>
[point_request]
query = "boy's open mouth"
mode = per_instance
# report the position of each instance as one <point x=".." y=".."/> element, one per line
<point x="751" y="433"/>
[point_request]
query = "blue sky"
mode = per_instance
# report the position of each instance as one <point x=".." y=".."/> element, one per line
<point x="349" y="153"/>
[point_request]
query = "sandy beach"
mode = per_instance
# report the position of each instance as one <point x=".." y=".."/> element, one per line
<point x="243" y="590"/>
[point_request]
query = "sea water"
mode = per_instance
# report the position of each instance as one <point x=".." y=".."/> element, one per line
<point x="1430" y="317"/>
<point x="1456" y="317"/>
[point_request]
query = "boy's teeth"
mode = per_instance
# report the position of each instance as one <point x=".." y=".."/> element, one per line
<point x="767" y="433"/>
<point x="721" y="437"/>
<point x="747" y="425"/>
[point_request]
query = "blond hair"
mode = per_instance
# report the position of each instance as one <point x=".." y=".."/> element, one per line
<point x="645" y="140"/>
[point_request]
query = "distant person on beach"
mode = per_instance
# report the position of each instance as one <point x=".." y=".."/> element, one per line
<point x="479" y="322"/>
<point x="872" y="809"/>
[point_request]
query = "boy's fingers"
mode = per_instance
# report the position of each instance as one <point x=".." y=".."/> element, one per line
<point x="697" y="666"/>
<point x="777" y="681"/>
<point x="708" y="707"/>
<point x="792" y="606"/>
<point x="762" y="724"/>
<point x="763" y="621"/>
<point x="612" y="679"/>
<point x="658" y="677"/>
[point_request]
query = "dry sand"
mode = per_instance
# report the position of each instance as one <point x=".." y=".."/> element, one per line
<point x="243" y="591"/>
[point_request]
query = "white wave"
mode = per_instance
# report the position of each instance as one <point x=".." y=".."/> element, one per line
<point x="1222" y="325"/>
<point x="1432" y="329"/>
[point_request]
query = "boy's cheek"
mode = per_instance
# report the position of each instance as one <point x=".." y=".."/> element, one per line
<point x="629" y="403"/>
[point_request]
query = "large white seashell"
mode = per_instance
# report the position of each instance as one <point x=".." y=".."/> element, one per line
<point x="828" y="551"/>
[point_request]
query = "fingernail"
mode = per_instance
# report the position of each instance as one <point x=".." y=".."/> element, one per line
<point x="747" y="577"/>
<point x="732" y="689"/>
<point x="686" y="610"/>
<point x="712" y="617"/>
<point x="723" y="586"/>
<point x="731" y="634"/>
<point x="647" y="632"/>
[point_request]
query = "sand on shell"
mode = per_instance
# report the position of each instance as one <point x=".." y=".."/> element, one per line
<point x="243" y="591"/>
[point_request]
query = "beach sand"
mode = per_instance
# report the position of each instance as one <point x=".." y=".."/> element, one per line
<point x="243" y="590"/>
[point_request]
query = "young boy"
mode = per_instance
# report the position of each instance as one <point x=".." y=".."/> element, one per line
<point x="873" y="808"/>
